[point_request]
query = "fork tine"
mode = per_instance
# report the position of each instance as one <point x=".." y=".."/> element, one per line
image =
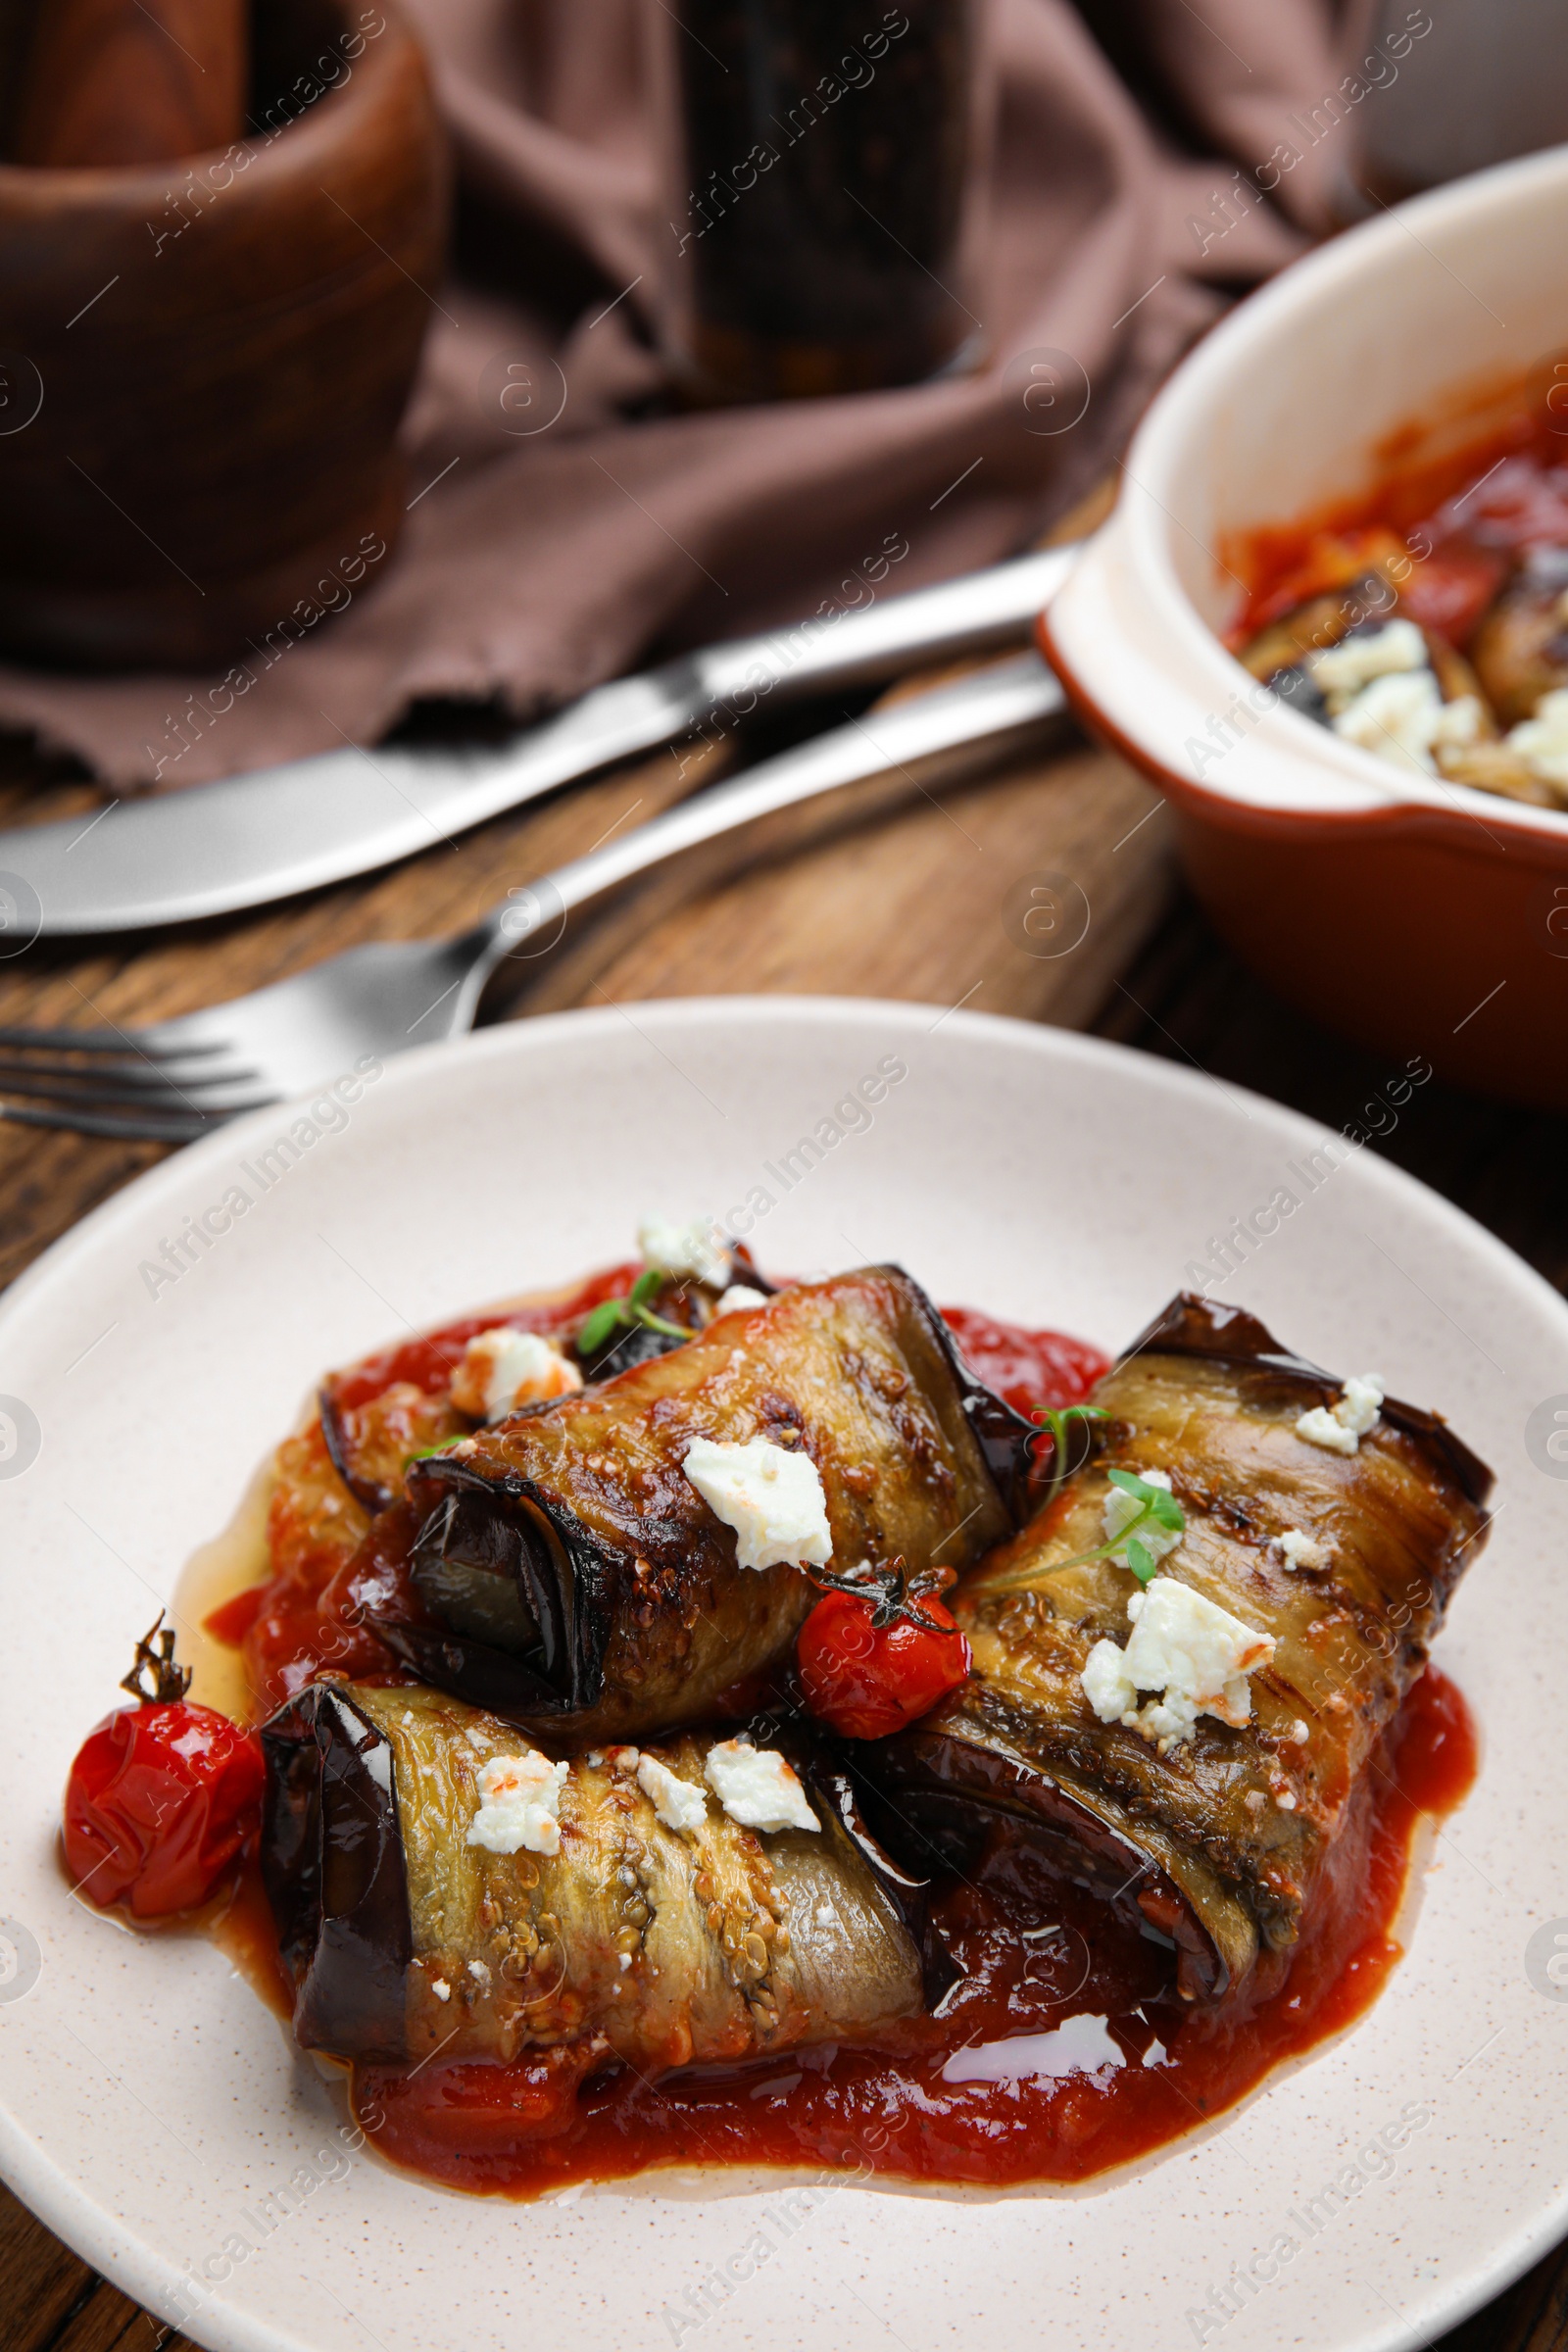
<point x="143" y="1127"/>
<point x="95" y="1094"/>
<point x="137" y="1044"/>
<point x="130" y="1074"/>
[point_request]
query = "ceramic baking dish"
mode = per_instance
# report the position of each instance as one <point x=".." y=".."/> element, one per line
<point x="1414" y="915"/>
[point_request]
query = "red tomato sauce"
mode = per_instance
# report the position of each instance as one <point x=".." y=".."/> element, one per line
<point x="430" y="1360"/>
<point x="1154" y="2071"/>
<point x="1453" y="523"/>
<point x="1031" y="1369"/>
<point x="978" y="2094"/>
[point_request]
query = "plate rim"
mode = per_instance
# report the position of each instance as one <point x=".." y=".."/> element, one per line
<point x="1042" y="1037"/>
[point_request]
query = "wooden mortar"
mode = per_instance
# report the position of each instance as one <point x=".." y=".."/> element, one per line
<point x="132" y="81"/>
<point x="203" y="364"/>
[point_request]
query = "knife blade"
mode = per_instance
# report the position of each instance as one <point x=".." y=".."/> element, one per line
<point x="273" y="832"/>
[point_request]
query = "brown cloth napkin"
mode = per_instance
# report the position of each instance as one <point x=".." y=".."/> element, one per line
<point x="533" y="568"/>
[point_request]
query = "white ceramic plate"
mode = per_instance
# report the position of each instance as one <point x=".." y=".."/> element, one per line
<point x="147" y="2101"/>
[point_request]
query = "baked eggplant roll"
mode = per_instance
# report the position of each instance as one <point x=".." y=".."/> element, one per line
<point x="433" y="1887"/>
<point x="575" y="1580"/>
<point x="1201" y="1762"/>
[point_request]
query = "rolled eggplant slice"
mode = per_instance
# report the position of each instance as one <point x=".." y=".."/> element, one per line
<point x="578" y="1583"/>
<point x="1221" y="1842"/>
<point x="634" y="1942"/>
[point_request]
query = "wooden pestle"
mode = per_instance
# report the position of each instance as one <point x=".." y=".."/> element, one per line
<point x="132" y="81"/>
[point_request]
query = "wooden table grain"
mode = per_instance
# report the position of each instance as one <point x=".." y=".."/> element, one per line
<point x="960" y="895"/>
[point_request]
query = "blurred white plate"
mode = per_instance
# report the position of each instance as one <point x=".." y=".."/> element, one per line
<point x="147" y="2100"/>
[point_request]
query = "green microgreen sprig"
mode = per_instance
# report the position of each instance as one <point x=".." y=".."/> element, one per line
<point x="1156" y="1508"/>
<point x="613" y="1315"/>
<point x="1056" y="1423"/>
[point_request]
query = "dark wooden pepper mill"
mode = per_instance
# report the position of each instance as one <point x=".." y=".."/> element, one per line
<point x="132" y="81"/>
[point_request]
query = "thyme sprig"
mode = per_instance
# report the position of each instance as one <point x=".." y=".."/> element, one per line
<point x="613" y="1315"/>
<point x="154" y="1679"/>
<point x="1157" y="1508"/>
<point x="890" y="1589"/>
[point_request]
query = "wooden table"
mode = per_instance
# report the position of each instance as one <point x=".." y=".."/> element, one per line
<point x="920" y="904"/>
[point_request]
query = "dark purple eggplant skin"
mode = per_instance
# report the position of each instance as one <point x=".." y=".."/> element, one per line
<point x="1192" y="1325"/>
<point x="832" y="1783"/>
<point x="637" y="1615"/>
<point x="1019" y="1746"/>
<point x="1005" y="1437"/>
<point x="938" y="1799"/>
<point x="370" y="1445"/>
<point x="331" y="1857"/>
<point x="370" y="1493"/>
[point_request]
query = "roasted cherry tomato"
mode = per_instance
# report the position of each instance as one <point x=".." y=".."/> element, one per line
<point x="867" y="1680"/>
<point x="160" y="1801"/>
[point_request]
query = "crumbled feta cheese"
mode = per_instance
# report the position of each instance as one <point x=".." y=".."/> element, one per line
<point x="697" y="1249"/>
<point x="1460" y="724"/>
<point x="441" y="1988"/>
<point x="1122" y="1508"/>
<point x="1302" y="1550"/>
<point x="1340" y="1428"/>
<point x="679" y="1804"/>
<point x="1321" y="1428"/>
<point x="623" y="1759"/>
<point x="756" y="1787"/>
<point x="1299" y="1732"/>
<point x="1105" y="1682"/>
<point x="519" y="1805"/>
<point x="595" y="1757"/>
<point x="1196" y="1655"/>
<point x="502" y="1370"/>
<point x="1255" y="1801"/>
<point x="1382" y="694"/>
<point x="1397" y="718"/>
<point x="625" y="1959"/>
<point x="739" y="1295"/>
<point x="1344" y="669"/>
<point x="1361" y="1403"/>
<point x="772" y="1499"/>
<point x="1285" y="1800"/>
<point x="479" y="1971"/>
<point x="1541" y="741"/>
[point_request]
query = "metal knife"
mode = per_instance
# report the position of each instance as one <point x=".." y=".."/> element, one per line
<point x="251" y="839"/>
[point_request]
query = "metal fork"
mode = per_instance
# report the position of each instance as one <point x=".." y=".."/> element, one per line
<point x="178" y="1079"/>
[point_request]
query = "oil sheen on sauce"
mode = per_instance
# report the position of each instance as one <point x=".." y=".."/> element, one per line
<point x="1057" y="2056"/>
